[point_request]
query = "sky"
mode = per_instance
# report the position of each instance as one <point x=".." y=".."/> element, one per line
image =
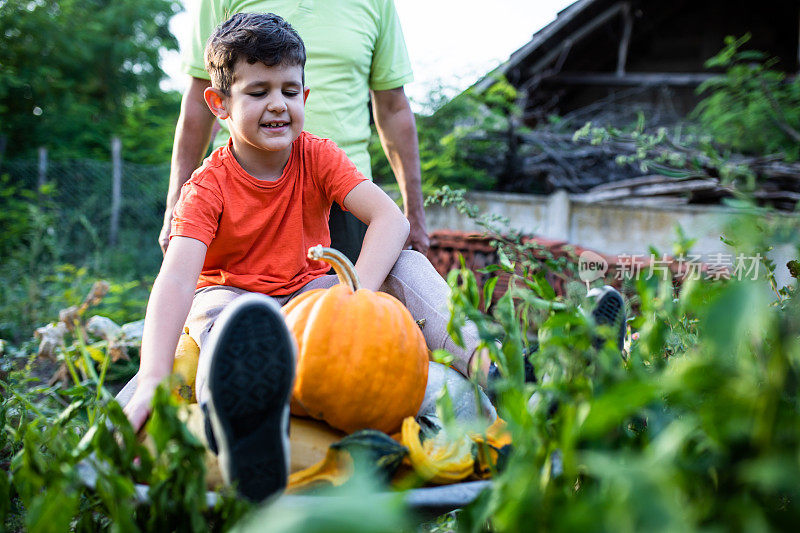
<point x="452" y="43"/>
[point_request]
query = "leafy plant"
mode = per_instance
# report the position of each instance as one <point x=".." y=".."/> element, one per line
<point x="40" y="282"/>
<point x="462" y="143"/>
<point x="752" y="96"/>
<point x="76" y="468"/>
<point x="696" y="429"/>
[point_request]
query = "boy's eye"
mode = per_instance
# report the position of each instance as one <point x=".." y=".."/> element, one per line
<point x="291" y="93"/>
<point x="258" y="93"/>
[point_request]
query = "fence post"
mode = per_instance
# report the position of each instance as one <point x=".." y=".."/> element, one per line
<point x="42" y="167"/>
<point x="116" y="188"/>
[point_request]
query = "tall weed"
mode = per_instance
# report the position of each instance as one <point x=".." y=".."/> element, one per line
<point x="698" y="428"/>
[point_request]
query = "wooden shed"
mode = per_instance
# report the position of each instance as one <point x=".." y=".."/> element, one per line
<point x="650" y="52"/>
<point x="610" y="62"/>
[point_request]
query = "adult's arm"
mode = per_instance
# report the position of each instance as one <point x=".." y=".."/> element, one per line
<point x="397" y="130"/>
<point x="192" y="137"/>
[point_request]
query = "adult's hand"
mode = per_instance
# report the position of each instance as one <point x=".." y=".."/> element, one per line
<point x="397" y="130"/>
<point x="418" y="236"/>
<point x="163" y="236"/>
<point x="192" y="137"/>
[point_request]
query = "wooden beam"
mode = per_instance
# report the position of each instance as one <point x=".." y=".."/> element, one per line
<point x="676" y="79"/>
<point x="664" y="188"/>
<point x="624" y="43"/>
<point x="577" y="36"/>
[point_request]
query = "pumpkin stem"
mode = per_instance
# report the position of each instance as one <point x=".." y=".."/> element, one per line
<point x="341" y="264"/>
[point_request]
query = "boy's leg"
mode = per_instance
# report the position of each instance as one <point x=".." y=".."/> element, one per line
<point x="249" y="357"/>
<point x="415" y="282"/>
<point x="208" y="304"/>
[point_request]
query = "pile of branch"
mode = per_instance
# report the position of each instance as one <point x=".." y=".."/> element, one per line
<point x="666" y="189"/>
<point x="590" y="170"/>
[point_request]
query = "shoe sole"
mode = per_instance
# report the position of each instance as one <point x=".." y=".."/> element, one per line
<point x="609" y="310"/>
<point x="250" y="381"/>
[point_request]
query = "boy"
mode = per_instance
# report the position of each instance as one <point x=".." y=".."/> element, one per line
<point x="241" y="230"/>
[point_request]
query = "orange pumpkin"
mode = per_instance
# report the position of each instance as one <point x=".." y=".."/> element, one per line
<point x="362" y="360"/>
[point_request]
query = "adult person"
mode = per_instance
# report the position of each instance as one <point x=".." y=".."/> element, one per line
<point x="356" y="53"/>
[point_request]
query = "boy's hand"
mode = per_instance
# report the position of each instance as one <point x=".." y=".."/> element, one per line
<point x="138" y="409"/>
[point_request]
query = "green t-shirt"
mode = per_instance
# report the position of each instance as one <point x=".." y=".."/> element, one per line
<point x="352" y="46"/>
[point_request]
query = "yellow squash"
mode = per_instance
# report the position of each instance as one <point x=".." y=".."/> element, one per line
<point x="309" y="442"/>
<point x="187" y="354"/>
<point x="440" y="459"/>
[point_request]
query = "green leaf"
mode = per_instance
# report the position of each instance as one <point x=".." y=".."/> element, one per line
<point x="611" y="409"/>
<point x="542" y="286"/>
<point x="505" y="262"/>
<point x="52" y="510"/>
<point x="488" y="291"/>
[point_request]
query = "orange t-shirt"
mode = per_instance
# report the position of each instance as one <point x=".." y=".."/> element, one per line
<point x="258" y="232"/>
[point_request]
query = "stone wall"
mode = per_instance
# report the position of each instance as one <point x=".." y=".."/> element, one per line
<point x="619" y="227"/>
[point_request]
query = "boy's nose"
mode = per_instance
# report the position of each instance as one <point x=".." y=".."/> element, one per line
<point x="276" y="105"/>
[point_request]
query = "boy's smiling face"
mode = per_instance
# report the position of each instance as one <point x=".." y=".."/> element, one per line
<point x="265" y="110"/>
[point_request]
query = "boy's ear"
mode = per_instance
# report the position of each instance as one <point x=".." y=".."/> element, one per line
<point x="215" y="100"/>
<point x="305" y="94"/>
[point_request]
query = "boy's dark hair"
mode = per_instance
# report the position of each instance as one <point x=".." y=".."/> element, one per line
<point x="255" y="37"/>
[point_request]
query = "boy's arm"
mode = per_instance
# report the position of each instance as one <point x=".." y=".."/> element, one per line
<point x="166" y="314"/>
<point x="386" y="232"/>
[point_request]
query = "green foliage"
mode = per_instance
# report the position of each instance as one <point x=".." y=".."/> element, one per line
<point x="76" y="468"/>
<point x="462" y="143"/>
<point x="674" y="154"/>
<point x="356" y="507"/>
<point x="149" y="128"/>
<point x="27" y="250"/>
<point x="527" y="260"/>
<point x="39" y="283"/>
<point x="697" y="429"/>
<point x="752" y="96"/>
<point x="71" y="460"/>
<point x="75" y="72"/>
<point x="23" y="215"/>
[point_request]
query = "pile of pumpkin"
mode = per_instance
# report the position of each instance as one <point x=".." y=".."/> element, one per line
<point x="346" y="408"/>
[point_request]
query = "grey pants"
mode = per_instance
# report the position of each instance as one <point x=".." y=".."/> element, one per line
<point x="412" y="280"/>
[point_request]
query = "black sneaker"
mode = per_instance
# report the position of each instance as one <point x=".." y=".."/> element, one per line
<point x="609" y="310"/>
<point x="250" y="380"/>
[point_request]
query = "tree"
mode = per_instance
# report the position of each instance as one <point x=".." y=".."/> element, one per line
<point x="72" y="70"/>
<point x="463" y="142"/>
<point x="752" y="108"/>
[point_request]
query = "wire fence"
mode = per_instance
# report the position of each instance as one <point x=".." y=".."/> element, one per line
<point x="91" y="220"/>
